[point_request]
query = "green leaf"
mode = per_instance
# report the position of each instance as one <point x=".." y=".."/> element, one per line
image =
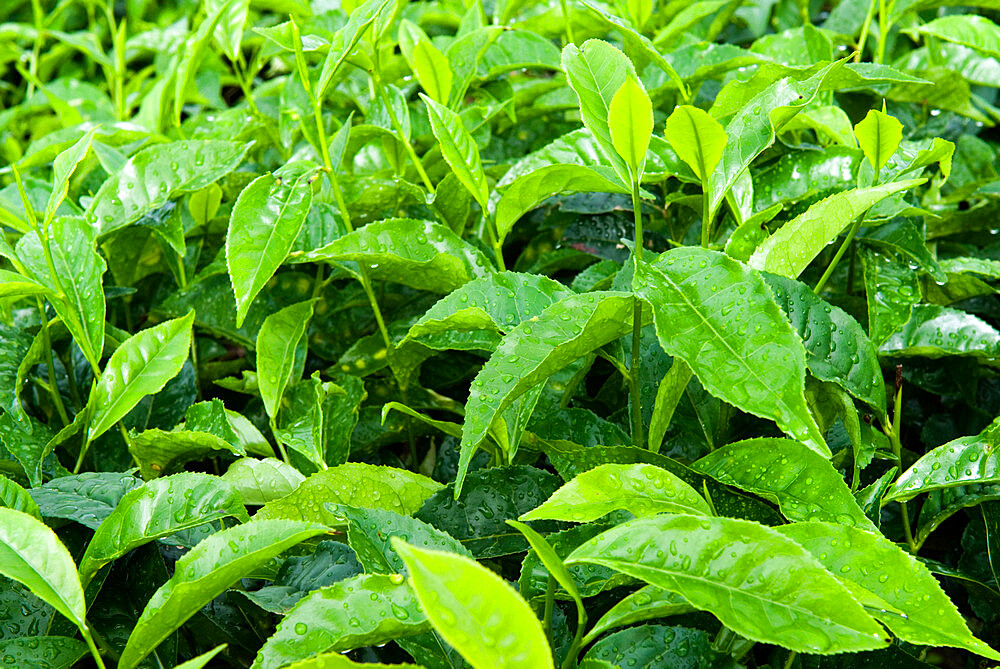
<point x="141" y="366"/>
<point x="650" y="646"/>
<point x="553" y="563"/>
<point x="533" y="351"/>
<point x="13" y="284"/>
<point x="698" y="139"/>
<point x="530" y="190"/>
<point x="720" y="318"/>
<point x="596" y="71"/>
<point x="803" y="484"/>
<point x="76" y="291"/>
<point x="420" y="254"/>
<point x="459" y="149"/>
<point x="630" y="122"/>
<point x="13" y="496"/>
<point x="642" y="490"/>
<point x="158" y="509"/>
<point x="28" y="442"/>
<point x="475" y="611"/>
<point x="42" y="652"/>
<point x="62" y="169"/>
<point x="345" y="39"/>
<point x="752" y="129"/>
<point x="790" y="250"/>
<point x="891" y="288"/>
<point x="31" y="554"/>
<point x="433" y="71"/>
<point x="205" y="572"/>
<point x="935" y="332"/>
<point x="708" y="561"/>
<point x="476" y="517"/>
<point x="837" y="348"/>
<point x="356" y="612"/>
<point x="86" y="498"/>
<point x="357" y="484"/>
<point x="277" y="341"/>
<point x="879" y="566"/>
<point x="977" y="32"/>
<point x="158" y="174"/>
<point x="879" y="136"/>
<point x="201" y="660"/>
<point x="265" y="222"/>
<point x="369" y="532"/>
<point x="159" y="452"/>
<point x="960" y="462"/>
<point x="340" y="661"/>
<point x="498" y="303"/>
<point x="262" y="481"/>
<point x="301" y="424"/>
<point x="646" y="603"/>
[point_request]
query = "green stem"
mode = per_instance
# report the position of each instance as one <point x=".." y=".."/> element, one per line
<point x="568" y="21"/>
<point x="277" y="440"/>
<point x="495" y="241"/>
<point x="93" y="648"/>
<point x="36" y="48"/>
<point x="380" y="91"/>
<point x="550" y="596"/>
<point x="791" y="659"/>
<point x="574" y="649"/>
<point x="706" y="216"/>
<point x="83" y="452"/>
<point x="840" y="254"/>
<point x="635" y="391"/>
<point x="49" y="363"/>
<point x="864" y="31"/>
<point x="883" y="30"/>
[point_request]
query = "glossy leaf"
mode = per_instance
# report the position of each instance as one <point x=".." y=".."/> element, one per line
<point x="649" y="646"/>
<point x="31" y="554"/>
<point x="596" y="71"/>
<point x="62" y="169"/>
<point x="357" y="484"/>
<point x="13" y="496"/>
<point x="977" y="32"/>
<point x="142" y="365"/>
<point x="263" y="226"/>
<point x="837" y="348"/>
<point x="42" y="652"/>
<point x="206" y="571"/>
<point x="803" y="484"/>
<point x="752" y="129"/>
<point x="962" y="461"/>
<point x="530" y="190"/>
<point x="414" y="253"/>
<point x="935" y="332"/>
<point x="459" y="149"/>
<point x="276" y="344"/>
<point x="498" y="302"/>
<point x="790" y="250"/>
<point x="340" y="661"/>
<point x="201" y="660"/>
<point x="369" y="532"/>
<point x="630" y="122"/>
<point x="158" y="174"/>
<point x="721" y="319"/>
<point x="262" y="481"/>
<point x="878" y="136"/>
<point x="892" y="289"/>
<point x="698" y="139"/>
<point x="86" y="498"/>
<point x="477" y="516"/>
<point x="646" y="603"/>
<point x="78" y="296"/>
<point x="432" y="70"/>
<point x="159" y="509"/>
<point x="159" y="452"/>
<point x="356" y="612"/>
<point x="475" y="611"/>
<point x="877" y="565"/>
<point x="553" y="563"/>
<point x="709" y="562"/>
<point x="642" y="490"/>
<point x="533" y="351"/>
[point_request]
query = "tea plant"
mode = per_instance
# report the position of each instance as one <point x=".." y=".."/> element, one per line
<point x="499" y="334"/>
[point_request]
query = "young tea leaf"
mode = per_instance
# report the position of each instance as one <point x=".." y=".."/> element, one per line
<point x="878" y="135"/>
<point x="698" y="139"/>
<point x="630" y="122"/>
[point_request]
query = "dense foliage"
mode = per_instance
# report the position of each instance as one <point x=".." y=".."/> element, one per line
<point x="503" y="334"/>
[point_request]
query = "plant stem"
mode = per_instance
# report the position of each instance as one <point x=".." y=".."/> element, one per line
<point x="380" y="92"/>
<point x="550" y="596"/>
<point x="791" y="659"/>
<point x="574" y="649"/>
<point x="49" y="363"/>
<point x="864" y="31"/>
<point x="93" y="648"/>
<point x="635" y="391"/>
<point x="495" y="241"/>
<point x="83" y="452"/>
<point x="706" y="216"/>
<point x="840" y="254"/>
<point x="883" y="29"/>
<point x="568" y="21"/>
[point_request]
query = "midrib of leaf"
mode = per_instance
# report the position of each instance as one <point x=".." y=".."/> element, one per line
<point x="272" y="233"/>
<point x="129" y="383"/>
<point x="733" y="591"/>
<point x="718" y="335"/>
